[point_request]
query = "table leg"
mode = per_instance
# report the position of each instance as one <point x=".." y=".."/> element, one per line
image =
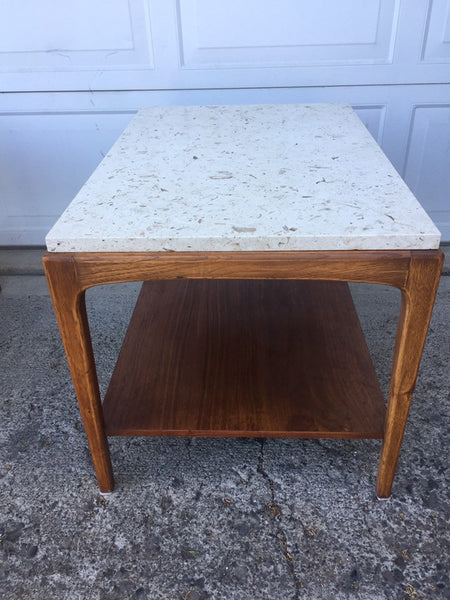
<point x="69" y="304"/>
<point x="418" y="296"/>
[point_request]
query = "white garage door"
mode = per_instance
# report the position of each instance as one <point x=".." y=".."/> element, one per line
<point x="73" y="73"/>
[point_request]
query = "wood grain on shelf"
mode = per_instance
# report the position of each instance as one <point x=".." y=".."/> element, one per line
<point x="244" y="358"/>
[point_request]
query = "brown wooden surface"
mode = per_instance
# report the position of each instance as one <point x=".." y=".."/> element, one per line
<point x="70" y="309"/>
<point x="418" y="297"/>
<point x="371" y="266"/>
<point x="244" y="358"/>
<point x="416" y="273"/>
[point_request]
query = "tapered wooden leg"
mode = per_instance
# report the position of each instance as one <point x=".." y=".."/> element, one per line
<point x="418" y="297"/>
<point x="69" y="303"/>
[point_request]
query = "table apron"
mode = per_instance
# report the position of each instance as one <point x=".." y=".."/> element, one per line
<point x="377" y="266"/>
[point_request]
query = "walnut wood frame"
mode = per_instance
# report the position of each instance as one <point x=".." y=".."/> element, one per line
<point x="416" y="273"/>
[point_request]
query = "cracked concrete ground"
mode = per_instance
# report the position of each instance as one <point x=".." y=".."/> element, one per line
<point x="197" y="519"/>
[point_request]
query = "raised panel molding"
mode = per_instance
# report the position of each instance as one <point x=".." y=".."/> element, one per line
<point x="235" y="34"/>
<point x="44" y="160"/>
<point x="53" y="36"/>
<point x="427" y="163"/>
<point x="436" y="43"/>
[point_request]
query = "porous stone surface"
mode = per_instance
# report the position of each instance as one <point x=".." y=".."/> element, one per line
<point x="227" y="178"/>
<point x="198" y="519"/>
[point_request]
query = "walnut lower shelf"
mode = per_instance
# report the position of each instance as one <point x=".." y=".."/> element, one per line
<point x="244" y="358"/>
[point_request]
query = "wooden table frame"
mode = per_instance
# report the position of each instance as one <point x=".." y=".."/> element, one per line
<point x="415" y="272"/>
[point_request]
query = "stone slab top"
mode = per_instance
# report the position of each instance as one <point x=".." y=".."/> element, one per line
<point x="251" y="178"/>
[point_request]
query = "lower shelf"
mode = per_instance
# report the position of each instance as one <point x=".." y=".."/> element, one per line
<point x="244" y="358"/>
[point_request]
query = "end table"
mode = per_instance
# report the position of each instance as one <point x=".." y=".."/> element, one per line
<point x="245" y="224"/>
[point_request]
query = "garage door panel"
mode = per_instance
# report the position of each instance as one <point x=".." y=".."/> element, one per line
<point x="228" y="34"/>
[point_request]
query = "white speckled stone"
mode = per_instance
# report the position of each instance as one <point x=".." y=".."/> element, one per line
<point x="264" y="177"/>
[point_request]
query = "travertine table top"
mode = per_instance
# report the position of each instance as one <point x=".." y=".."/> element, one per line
<point x="262" y="177"/>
